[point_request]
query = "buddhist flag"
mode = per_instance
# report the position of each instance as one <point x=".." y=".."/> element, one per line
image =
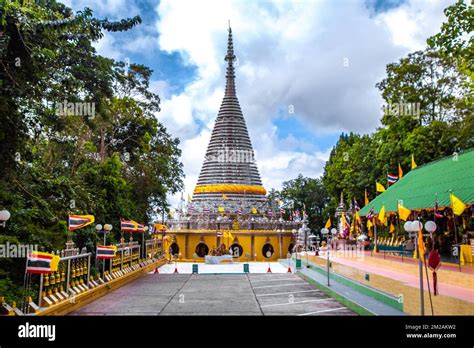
<point x="328" y="223"/>
<point x="38" y="262"/>
<point x="228" y="235"/>
<point x="382" y="215"/>
<point x="457" y="205"/>
<point x="379" y="187"/>
<point x="131" y="226"/>
<point x="189" y="198"/>
<point x="366" y="198"/>
<point x="221" y="210"/>
<point x="400" y="171"/>
<point x="413" y="164"/>
<point x="403" y="212"/>
<point x="254" y="210"/>
<point x="392" y="227"/>
<point x="224" y="196"/>
<point x="79" y="221"/>
<point x="106" y="252"/>
<point x="369" y="224"/>
<point x="357" y="217"/>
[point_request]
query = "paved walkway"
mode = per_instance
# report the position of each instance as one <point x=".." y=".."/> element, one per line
<point x="367" y="302"/>
<point x="216" y="294"/>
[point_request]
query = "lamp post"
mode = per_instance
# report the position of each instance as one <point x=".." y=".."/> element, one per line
<point x="4" y="216"/>
<point x="106" y="228"/>
<point x="414" y="226"/>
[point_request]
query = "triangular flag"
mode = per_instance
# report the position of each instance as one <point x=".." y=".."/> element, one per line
<point x="403" y="212"/>
<point x="400" y="171"/>
<point x="189" y="197"/>
<point x="328" y="223"/>
<point x="379" y="187"/>
<point x="366" y="198"/>
<point x="254" y="210"/>
<point x="224" y="196"/>
<point x="369" y="224"/>
<point x="413" y="164"/>
<point x="382" y="215"/>
<point x="392" y="228"/>
<point x="457" y="205"/>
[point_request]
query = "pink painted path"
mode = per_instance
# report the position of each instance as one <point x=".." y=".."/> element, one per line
<point x="410" y="280"/>
<point x="447" y="266"/>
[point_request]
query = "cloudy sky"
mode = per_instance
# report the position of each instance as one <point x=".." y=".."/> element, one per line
<point x="306" y="69"/>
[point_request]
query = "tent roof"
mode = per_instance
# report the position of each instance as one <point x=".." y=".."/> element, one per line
<point x="418" y="188"/>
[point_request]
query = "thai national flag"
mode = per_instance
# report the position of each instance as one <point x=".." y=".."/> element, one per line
<point x="356" y="205"/>
<point x="370" y="213"/>
<point x="392" y="179"/>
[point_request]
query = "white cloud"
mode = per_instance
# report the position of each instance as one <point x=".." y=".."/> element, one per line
<point x="322" y="57"/>
<point x="290" y="53"/>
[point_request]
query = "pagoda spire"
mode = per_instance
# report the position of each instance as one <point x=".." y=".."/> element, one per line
<point x="230" y="73"/>
<point x="229" y="173"/>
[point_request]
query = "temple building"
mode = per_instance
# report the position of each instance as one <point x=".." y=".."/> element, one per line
<point x="229" y="212"/>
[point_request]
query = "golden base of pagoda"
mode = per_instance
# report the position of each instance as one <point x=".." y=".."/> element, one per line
<point x="248" y="245"/>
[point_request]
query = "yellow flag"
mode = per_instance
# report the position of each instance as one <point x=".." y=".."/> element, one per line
<point x="369" y="224"/>
<point x="230" y="236"/>
<point x="382" y="215"/>
<point x="392" y="228"/>
<point x="400" y="171"/>
<point x="379" y="187"/>
<point x="224" y="196"/>
<point x="403" y="212"/>
<point x="221" y="210"/>
<point x="457" y="205"/>
<point x="421" y="244"/>
<point x="357" y="217"/>
<point x="254" y="210"/>
<point x="189" y="197"/>
<point x="413" y="164"/>
<point x="328" y="223"/>
<point x="343" y="220"/>
<point x="366" y="198"/>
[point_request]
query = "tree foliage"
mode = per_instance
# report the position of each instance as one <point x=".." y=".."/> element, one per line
<point x="439" y="78"/>
<point x="117" y="162"/>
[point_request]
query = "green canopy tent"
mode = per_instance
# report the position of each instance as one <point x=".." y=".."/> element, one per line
<point x="420" y="188"/>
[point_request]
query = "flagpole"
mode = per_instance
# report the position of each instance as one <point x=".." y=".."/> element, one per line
<point x="420" y="265"/>
<point x="455" y="229"/>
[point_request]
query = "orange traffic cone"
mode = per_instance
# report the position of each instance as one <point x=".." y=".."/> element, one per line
<point x="156" y="270"/>
<point x="176" y="270"/>
<point x="289" y="270"/>
<point x="269" y="270"/>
